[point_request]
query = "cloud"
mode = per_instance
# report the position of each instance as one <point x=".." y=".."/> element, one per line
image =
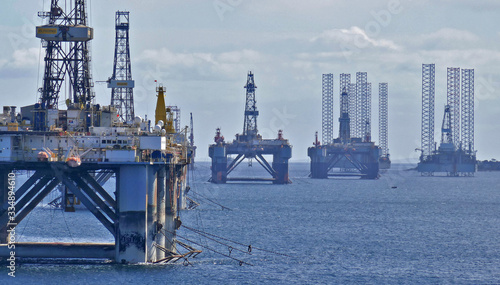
<point x="25" y="58"/>
<point x="201" y="66"/>
<point x="445" y="38"/>
<point x="354" y="36"/>
<point x="22" y="63"/>
<point x="484" y="5"/>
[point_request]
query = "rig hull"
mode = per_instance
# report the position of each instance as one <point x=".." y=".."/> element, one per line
<point x="142" y="213"/>
<point x="354" y="159"/>
<point x="279" y="149"/>
<point x="448" y="160"/>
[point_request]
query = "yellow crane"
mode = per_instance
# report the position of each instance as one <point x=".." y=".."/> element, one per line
<point x="162" y="113"/>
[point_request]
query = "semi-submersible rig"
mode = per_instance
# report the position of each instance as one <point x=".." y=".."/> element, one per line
<point x="78" y="149"/>
<point x="456" y="155"/>
<point x="352" y="153"/>
<point x="250" y="145"/>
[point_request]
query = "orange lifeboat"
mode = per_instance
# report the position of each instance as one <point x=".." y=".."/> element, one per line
<point x="43" y="156"/>
<point x="74" y="161"/>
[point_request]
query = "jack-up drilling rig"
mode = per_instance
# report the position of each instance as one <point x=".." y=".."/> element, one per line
<point x="250" y="145"/>
<point x="456" y="155"/>
<point x="353" y="156"/>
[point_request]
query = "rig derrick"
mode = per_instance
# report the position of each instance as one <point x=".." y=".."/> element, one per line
<point x="250" y="145"/>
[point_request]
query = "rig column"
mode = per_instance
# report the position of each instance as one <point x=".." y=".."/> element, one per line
<point x="151" y="217"/>
<point x="280" y="164"/>
<point x="219" y="163"/>
<point x="372" y="164"/>
<point x="160" y="210"/>
<point x="169" y="224"/>
<point x="182" y="201"/>
<point x="132" y="200"/>
<point x="319" y="163"/>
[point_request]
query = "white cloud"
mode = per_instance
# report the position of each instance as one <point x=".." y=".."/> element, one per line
<point x="23" y="58"/>
<point x="445" y="38"/>
<point x="447" y="34"/>
<point x="354" y="36"/>
<point x="483" y="5"/>
<point x="202" y="65"/>
<point x="21" y="63"/>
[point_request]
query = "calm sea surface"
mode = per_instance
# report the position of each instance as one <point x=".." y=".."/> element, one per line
<point x="400" y="229"/>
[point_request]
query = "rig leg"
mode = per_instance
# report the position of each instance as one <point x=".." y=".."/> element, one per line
<point x="134" y="185"/>
<point x="219" y="164"/>
<point x="151" y="216"/>
<point x="182" y="203"/>
<point x="280" y="165"/>
<point x="171" y="198"/>
<point x="161" y="192"/>
<point x="319" y="162"/>
<point x="371" y="171"/>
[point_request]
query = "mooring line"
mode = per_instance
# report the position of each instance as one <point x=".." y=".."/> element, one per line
<point x="218" y="204"/>
<point x="241" y="262"/>
<point x="230" y="248"/>
<point x="250" y="247"/>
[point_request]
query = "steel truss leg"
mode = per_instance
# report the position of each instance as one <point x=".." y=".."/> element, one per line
<point x="354" y="162"/>
<point x="58" y="172"/>
<point x="266" y="165"/>
<point x="235" y="163"/>
<point x="21" y="203"/>
<point x="103" y="176"/>
<point x="87" y="202"/>
<point x="94" y="198"/>
<point x="36" y="200"/>
<point x="23" y="208"/>
<point x="98" y="188"/>
<point x="22" y="190"/>
<point x="333" y="161"/>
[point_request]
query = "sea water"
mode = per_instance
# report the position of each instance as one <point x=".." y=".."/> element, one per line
<point x="399" y="229"/>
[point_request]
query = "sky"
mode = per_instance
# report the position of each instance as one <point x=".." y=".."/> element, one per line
<point x="202" y="50"/>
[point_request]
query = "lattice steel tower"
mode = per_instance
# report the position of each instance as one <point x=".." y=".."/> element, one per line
<point x="345" y="106"/>
<point x="121" y="83"/>
<point x="468" y="111"/>
<point x="446" y="128"/>
<point x="353" y="110"/>
<point x="251" y="113"/>
<point x="327" y="109"/>
<point x="368" y="117"/>
<point x="428" y="92"/>
<point x="67" y="54"/>
<point x="344" y="126"/>
<point x="383" y="93"/>
<point x="363" y="108"/>
<point x="453" y="101"/>
<point x="345" y="81"/>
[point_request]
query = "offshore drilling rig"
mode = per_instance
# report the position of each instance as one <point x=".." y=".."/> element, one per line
<point x="352" y="153"/>
<point x="250" y="145"/>
<point x="456" y="155"/>
<point x="73" y="148"/>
